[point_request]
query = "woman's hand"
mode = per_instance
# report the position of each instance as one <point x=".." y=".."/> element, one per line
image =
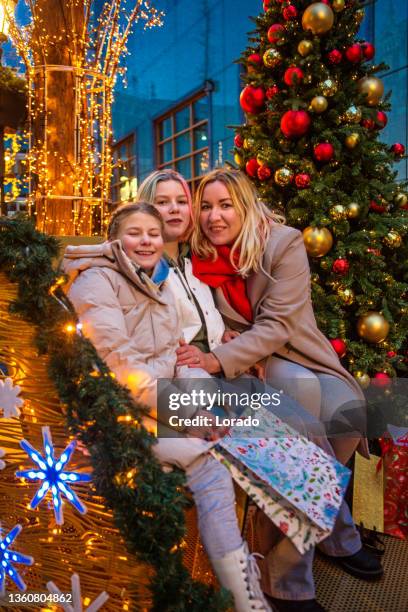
<point x="229" y="335"/>
<point x="192" y="357"/>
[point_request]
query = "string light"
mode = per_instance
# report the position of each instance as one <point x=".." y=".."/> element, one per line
<point x="69" y="190"/>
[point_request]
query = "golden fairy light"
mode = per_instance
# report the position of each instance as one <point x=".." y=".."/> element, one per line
<point x="72" y="60"/>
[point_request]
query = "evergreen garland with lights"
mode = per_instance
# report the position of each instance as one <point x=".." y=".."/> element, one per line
<point x="147" y="504"/>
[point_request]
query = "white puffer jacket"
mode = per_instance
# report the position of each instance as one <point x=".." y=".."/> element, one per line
<point x="183" y="288"/>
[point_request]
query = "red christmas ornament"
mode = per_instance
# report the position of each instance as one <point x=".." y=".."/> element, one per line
<point x="341" y="266"/>
<point x="391" y="354"/>
<point x="339" y="346"/>
<point x="251" y="167"/>
<point x="264" y="173"/>
<point x="375" y="252"/>
<point x="335" y="56"/>
<point x="381" y="379"/>
<point x="267" y="4"/>
<point x="324" y="151"/>
<point x="252" y="99"/>
<point x="325" y="2"/>
<point x="368" y="50"/>
<point x="381" y="120"/>
<point x="255" y="58"/>
<point x="293" y="76"/>
<point x="295" y="124"/>
<point x="275" y="33"/>
<point x="378" y="208"/>
<point x="302" y="181"/>
<point x="398" y="149"/>
<point x="238" y="141"/>
<point x="369" y="124"/>
<point x="289" y="12"/>
<point x="272" y="91"/>
<point x="354" y="53"/>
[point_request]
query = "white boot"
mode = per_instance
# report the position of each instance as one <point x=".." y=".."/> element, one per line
<point x="238" y="572"/>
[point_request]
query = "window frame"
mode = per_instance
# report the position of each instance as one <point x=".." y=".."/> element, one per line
<point x="130" y="140"/>
<point x="170" y="113"/>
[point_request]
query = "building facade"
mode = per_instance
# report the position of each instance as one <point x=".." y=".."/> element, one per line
<point x="183" y="86"/>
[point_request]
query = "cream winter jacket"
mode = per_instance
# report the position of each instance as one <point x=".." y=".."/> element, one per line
<point x="186" y="285"/>
<point x="131" y="320"/>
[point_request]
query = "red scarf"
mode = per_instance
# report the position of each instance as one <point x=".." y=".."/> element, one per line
<point x="221" y="273"/>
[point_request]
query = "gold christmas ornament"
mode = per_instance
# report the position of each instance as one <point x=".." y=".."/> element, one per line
<point x="373" y="88"/>
<point x="318" y="241"/>
<point x="352" y="140"/>
<point x="338" y="5"/>
<point x="363" y="379"/>
<point x="319" y="104"/>
<point x="359" y="15"/>
<point x="353" y="114"/>
<point x="325" y="264"/>
<point x="353" y="210"/>
<point x="338" y="212"/>
<point x="305" y="47"/>
<point x="393" y="240"/>
<point x="272" y="58"/>
<point x="261" y="159"/>
<point x="373" y="327"/>
<point x="318" y="17"/>
<point x="401" y="199"/>
<point x="328" y="87"/>
<point x="238" y="159"/>
<point x="283" y="176"/>
<point x="346" y="295"/>
<point x="248" y="143"/>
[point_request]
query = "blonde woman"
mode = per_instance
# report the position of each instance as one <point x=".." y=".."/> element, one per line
<point x="203" y="326"/>
<point x="259" y="271"/>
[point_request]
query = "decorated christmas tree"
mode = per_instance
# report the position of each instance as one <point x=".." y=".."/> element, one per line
<point x="312" y="145"/>
<point x="315" y="110"/>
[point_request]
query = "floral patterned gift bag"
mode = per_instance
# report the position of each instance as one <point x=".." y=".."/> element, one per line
<point x="298" y="486"/>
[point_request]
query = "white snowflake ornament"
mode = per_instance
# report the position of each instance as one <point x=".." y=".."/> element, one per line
<point x="9" y="400"/>
<point x="77" y="598"/>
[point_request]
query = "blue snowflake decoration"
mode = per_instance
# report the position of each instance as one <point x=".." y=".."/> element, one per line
<point x="52" y="474"/>
<point x="8" y="557"/>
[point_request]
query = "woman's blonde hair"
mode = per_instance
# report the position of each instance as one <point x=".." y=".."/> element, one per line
<point x="256" y="220"/>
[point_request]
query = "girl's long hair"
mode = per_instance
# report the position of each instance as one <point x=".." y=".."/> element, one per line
<point x="257" y="221"/>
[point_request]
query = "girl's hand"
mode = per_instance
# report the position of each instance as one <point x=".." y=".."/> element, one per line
<point x="229" y="335"/>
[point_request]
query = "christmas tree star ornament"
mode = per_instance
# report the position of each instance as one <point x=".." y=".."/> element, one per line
<point x="9" y="400"/>
<point x="8" y="557"/>
<point x="53" y="476"/>
<point x="77" y="598"/>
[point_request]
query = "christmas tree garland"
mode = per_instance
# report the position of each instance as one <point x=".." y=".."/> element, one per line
<point x="147" y="504"/>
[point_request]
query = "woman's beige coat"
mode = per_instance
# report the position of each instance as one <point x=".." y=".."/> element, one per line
<point x="284" y="322"/>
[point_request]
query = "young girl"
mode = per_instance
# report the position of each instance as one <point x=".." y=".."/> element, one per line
<point x="123" y="300"/>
